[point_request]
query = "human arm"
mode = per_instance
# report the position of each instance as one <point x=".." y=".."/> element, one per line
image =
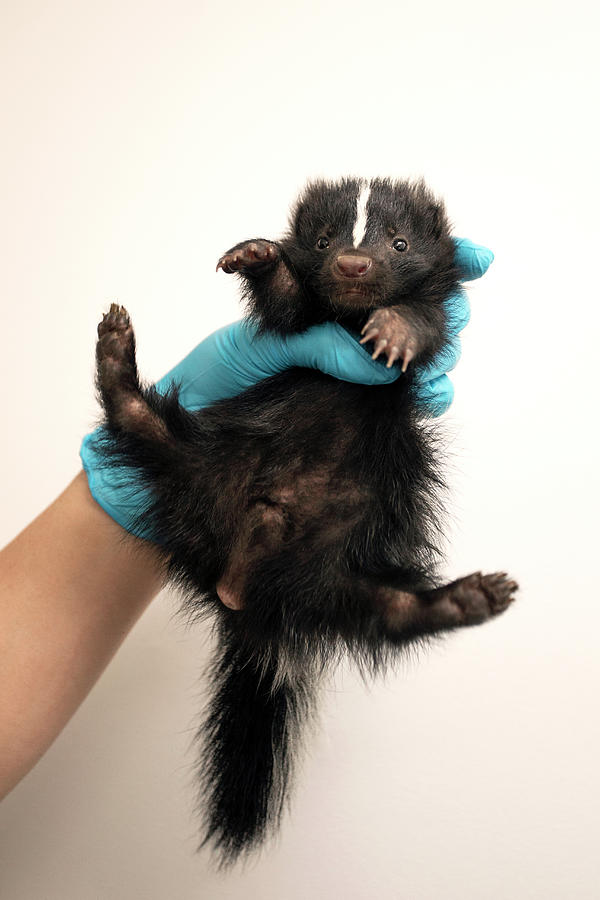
<point x="72" y="585"/>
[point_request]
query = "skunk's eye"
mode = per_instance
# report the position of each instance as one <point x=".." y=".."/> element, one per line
<point x="400" y="244"/>
<point x="322" y="243"/>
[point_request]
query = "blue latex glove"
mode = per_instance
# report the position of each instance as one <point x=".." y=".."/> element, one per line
<point x="435" y="388"/>
<point x="234" y="358"/>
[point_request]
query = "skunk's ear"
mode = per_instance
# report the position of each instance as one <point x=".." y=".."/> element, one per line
<point x="439" y="218"/>
<point x="299" y="218"/>
<point x="308" y="211"/>
<point x="430" y="210"/>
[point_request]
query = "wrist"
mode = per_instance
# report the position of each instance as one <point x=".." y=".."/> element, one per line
<point x="114" y="489"/>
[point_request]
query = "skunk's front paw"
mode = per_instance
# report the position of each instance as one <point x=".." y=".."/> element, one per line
<point x="392" y="335"/>
<point x="251" y="257"/>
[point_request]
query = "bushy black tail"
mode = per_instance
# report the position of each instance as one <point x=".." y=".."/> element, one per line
<point x="250" y="737"/>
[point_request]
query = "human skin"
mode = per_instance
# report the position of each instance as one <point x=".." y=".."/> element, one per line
<point x="73" y="585"/>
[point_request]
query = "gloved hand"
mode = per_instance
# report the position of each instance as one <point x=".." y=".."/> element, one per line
<point x="235" y="358"/>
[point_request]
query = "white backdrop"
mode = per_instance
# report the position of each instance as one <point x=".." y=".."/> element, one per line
<point x="140" y="140"/>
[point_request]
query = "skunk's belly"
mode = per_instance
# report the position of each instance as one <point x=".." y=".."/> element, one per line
<point x="306" y="441"/>
<point x="304" y="465"/>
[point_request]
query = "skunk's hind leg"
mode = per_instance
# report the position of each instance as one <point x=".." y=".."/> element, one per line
<point x="468" y="601"/>
<point x="117" y="378"/>
<point x="318" y="597"/>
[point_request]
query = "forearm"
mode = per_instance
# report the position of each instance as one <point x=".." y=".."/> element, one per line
<point x="72" y="585"/>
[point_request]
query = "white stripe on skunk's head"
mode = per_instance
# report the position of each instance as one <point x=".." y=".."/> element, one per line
<point x="360" y="223"/>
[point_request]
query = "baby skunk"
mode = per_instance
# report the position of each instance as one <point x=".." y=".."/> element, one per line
<point x="303" y="514"/>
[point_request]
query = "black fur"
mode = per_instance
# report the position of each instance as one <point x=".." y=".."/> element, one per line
<point x="309" y="503"/>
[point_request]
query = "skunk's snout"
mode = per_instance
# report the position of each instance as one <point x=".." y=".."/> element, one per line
<point x="352" y="266"/>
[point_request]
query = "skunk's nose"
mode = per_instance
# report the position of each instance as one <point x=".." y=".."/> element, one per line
<point x="353" y="266"/>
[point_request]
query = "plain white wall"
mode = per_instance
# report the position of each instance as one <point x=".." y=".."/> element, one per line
<point x="139" y="141"/>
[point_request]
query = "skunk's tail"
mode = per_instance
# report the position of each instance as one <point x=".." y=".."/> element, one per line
<point x="250" y="736"/>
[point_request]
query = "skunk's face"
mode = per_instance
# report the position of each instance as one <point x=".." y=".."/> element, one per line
<point x="358" y="244"/>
